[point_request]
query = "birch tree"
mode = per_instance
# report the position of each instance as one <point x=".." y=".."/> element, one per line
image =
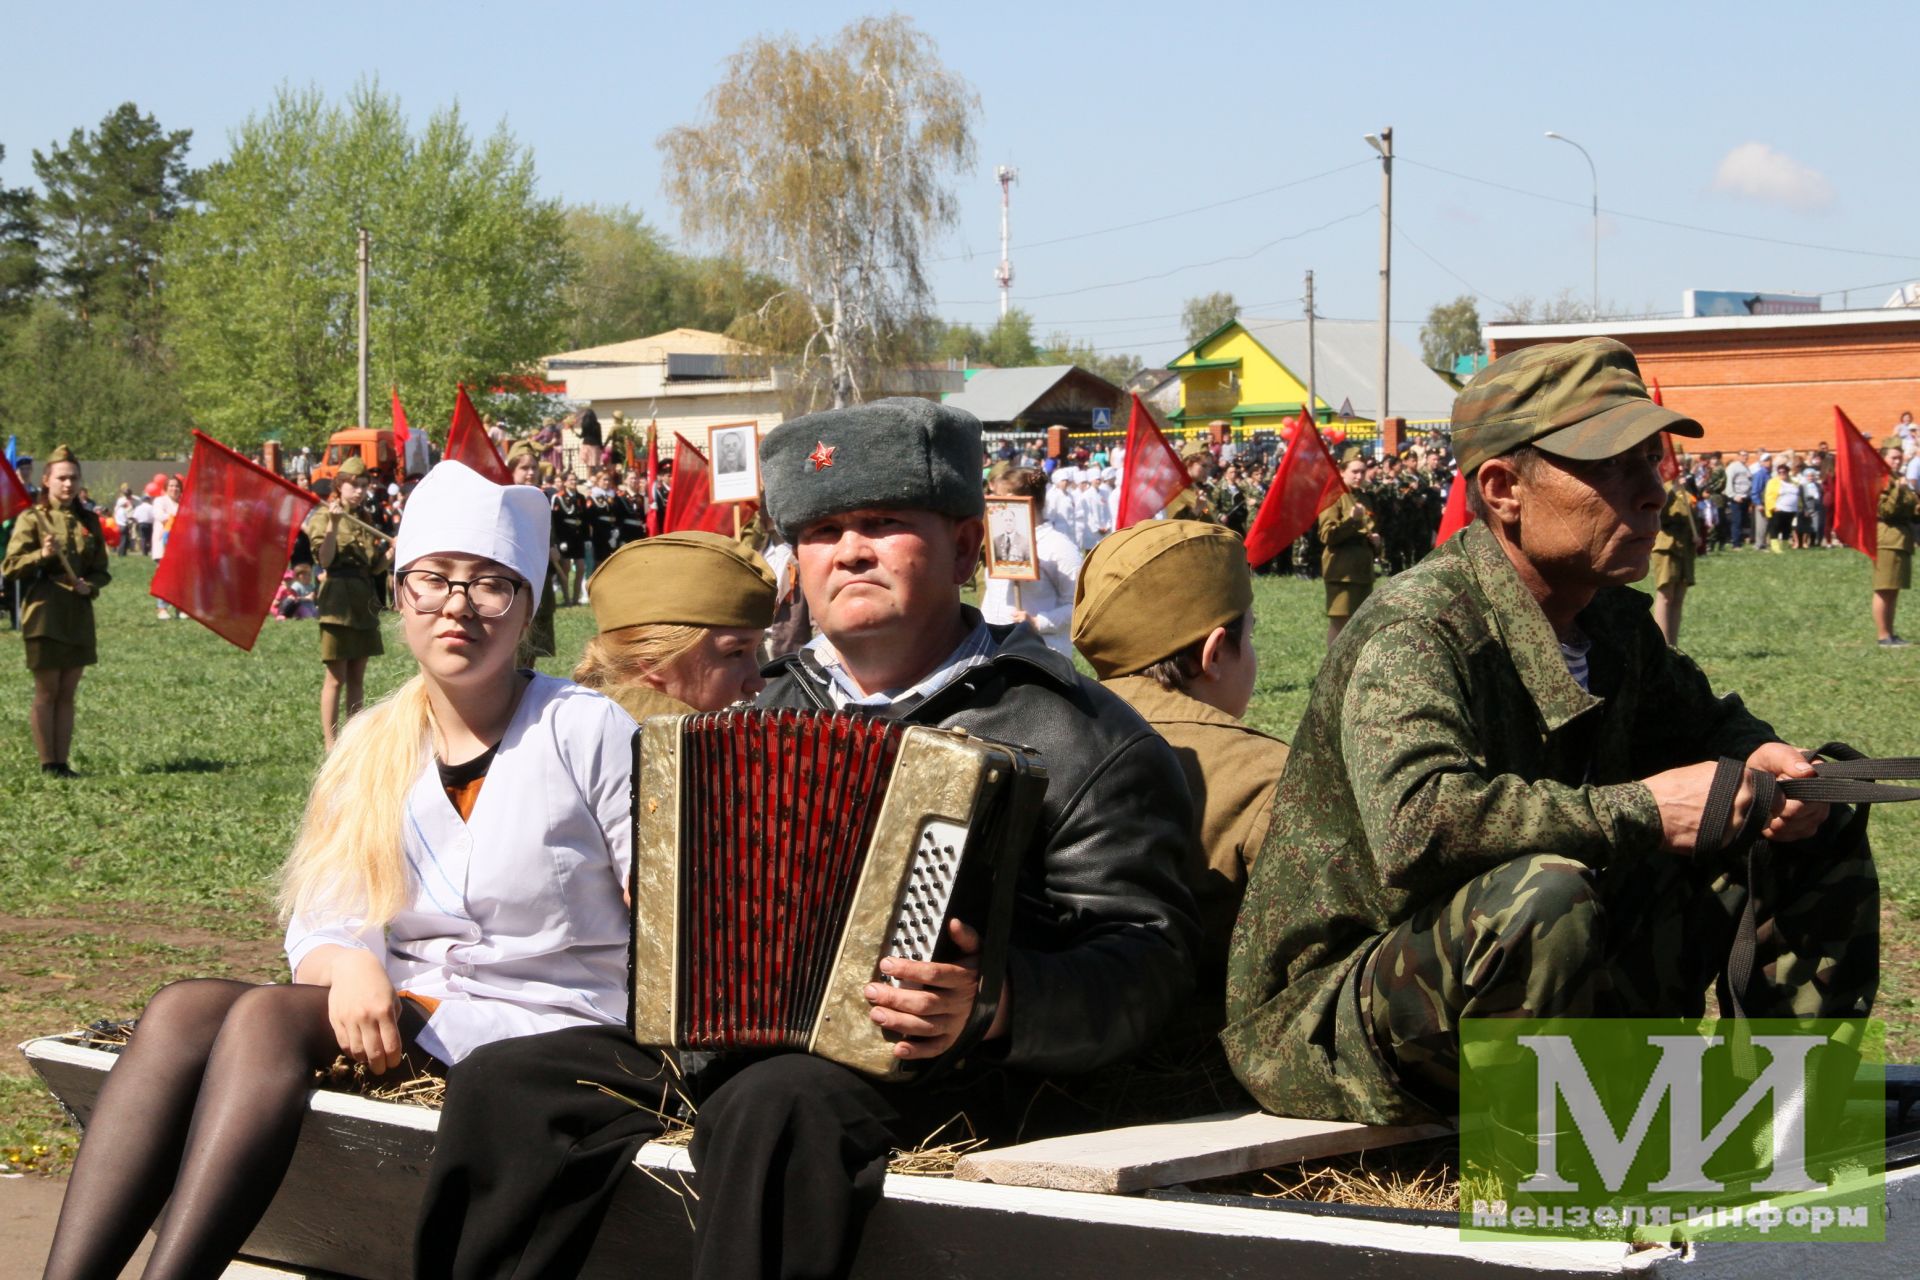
<point x="826" y="166"/>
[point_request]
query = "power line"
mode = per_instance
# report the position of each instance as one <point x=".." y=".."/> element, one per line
<point x="1190" y="266"/>
<point x="1472" y="288"/>
<point x="1659" y="222"/>
<point x="1165" y="217"/>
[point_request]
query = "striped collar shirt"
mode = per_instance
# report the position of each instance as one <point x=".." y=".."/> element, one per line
<point x="976" y="650"/>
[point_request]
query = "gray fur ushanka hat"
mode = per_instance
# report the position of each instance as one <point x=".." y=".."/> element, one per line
<point x="903" y="452"/>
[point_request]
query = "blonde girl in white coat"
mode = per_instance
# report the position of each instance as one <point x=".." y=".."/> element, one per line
<point x="414" y="937"/>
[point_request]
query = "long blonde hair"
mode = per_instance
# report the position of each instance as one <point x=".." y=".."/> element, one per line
<point x="349" y="860"/>
<point x="624" y="655"/>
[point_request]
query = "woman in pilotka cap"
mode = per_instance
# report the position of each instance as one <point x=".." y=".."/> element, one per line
<point x="523" y="464"/>
<point x="680" y="619"/>
<point x="458" y="879"/>
<point x="58" y="554"/>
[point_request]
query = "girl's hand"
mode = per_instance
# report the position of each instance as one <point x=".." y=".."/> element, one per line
<point x="363" y="1009"/>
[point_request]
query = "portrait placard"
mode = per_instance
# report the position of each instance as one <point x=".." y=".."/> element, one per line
<point x="734" y="466"/>
<point x="1010" y="540"/>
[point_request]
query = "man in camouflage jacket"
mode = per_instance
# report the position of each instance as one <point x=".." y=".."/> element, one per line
<point x="1493" y="798"/>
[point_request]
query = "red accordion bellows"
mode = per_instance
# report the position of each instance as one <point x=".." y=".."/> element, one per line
<point x="769" y="884"/>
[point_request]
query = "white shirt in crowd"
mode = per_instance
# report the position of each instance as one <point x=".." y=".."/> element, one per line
<point x="164" y="509"/>
<point x="516" y="924"/>
<point x="1048" y="601"/>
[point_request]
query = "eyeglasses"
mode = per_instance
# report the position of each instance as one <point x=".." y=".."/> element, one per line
<point x="490" y="595"/>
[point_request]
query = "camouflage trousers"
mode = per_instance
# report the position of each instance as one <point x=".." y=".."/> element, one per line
<point x="1546" y="936"/>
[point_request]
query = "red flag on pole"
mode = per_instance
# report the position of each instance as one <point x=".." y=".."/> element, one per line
<point x="230" y="543"/>
<point x="1152" y="474"/>
<point x="1306" y="482"/>
<point x="13" y="492"/>
<point x="653" y="476"/>
<point x="401" y="431"/>
<point x="1859" y="474"/>
<point x="468" y="442"/>
<point x="1669" y="461"/>
<point x="689" y="506"/>
<point x="1456" y="516"/>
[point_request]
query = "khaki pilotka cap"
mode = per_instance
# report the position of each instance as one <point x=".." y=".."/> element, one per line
<point x="1122" y="622"/>
<point x="689" y="578"/>
<point x="1582" y="400"/>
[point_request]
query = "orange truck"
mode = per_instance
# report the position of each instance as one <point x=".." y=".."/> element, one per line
<point x="377" y="449"/>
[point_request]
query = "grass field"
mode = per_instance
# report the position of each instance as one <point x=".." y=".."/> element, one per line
<point x="157" y="864"/>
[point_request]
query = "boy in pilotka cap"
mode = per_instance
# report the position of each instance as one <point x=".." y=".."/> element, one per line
<point x="1164" y="615"/>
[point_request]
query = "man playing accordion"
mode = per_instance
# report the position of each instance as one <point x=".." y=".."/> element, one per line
<point x="882" y="503"/>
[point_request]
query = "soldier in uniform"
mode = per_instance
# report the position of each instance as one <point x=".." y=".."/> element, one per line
<point x="58" y="554"/>
<point x="351" y="554"/>
<point x="679" y="621"/>
<point x="1189" y="672"/>
<point x="523" y="464"/>
<point x="1349" y="540"/>
<point x="1195" y="502"/>
<point x="1893" y="552"/>
<point x="1673" y="553"/>
<point x="1494" y="798"/>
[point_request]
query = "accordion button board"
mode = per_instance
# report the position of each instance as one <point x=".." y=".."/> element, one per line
<point x="779" y="856"/>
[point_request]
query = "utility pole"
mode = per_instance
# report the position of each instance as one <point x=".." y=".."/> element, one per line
<point x="1313" y="398"/>
<point x="366" y="243"/>
<point x="1383" y="143"/>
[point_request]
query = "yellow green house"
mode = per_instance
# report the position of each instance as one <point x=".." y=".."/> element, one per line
<point x="1253" y="374"/>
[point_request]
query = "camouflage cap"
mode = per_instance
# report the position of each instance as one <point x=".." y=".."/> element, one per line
<point x="1582" y="400"/>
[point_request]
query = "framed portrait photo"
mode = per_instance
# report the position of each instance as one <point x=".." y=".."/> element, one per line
<point x="734" y="466"/>
<point x="1010" y="540"/>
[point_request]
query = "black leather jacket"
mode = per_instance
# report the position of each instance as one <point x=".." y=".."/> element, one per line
<point x="1105" y="930"/>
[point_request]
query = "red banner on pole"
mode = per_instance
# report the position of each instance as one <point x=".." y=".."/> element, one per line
<point x="1152" y="474"/>
<point x="689" y="505"/>
<point x="468" y="442"/>
<point x="401" y="431"/>
<point x="1306" y="482"/>
<point x="1669" y="461"/>
<point x="1456" y="516"/>
<point x="231" y="541"/>
<point x="1859" y="474"/>
<point x="653" y="477"/>
<point x="13" y="492"/>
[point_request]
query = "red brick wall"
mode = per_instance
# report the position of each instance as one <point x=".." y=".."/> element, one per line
<point x="1776" y="388"/>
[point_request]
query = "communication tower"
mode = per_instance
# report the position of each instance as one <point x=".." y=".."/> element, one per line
<point x="1007" y="175"/>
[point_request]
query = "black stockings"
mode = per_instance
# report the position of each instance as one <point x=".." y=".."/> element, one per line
<point x="200" y="1115"/>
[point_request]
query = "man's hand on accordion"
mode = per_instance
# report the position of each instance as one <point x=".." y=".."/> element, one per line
<point x="930" y="1009"/>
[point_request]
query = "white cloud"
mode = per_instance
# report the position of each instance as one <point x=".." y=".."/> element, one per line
<point x="1758" y="172"/>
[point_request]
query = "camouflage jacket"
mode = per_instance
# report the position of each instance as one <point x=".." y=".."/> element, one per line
<point x="1442" y="738"/>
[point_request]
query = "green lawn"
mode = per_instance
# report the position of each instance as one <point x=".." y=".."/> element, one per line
<point x="158" y="863"/>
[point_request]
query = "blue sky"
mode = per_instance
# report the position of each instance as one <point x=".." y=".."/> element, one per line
<point x="1749" y="118"/>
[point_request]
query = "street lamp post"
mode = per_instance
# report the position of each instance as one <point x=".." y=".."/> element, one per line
<point x="1383" y="143"/>
<point x="1559" y="137"/>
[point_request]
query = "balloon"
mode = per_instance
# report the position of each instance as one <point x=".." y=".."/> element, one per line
<point x="1335" y="437"/>
<point x="154" y="488"/>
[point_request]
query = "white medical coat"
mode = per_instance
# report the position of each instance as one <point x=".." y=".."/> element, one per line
<point x="516" y="923"/>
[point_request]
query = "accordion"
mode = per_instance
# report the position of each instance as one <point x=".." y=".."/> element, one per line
<point x="779" y="856"/>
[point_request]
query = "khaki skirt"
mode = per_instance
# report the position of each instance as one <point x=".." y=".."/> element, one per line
<point x="1344" y="597"/>
<point x="1672" y="570"/>
<point x="47" y="654"/>
<point x="348" y="644"/>
<point x="1892" y="570"/>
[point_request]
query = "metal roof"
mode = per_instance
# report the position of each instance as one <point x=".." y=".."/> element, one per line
<point x="1347" y="359"/>
<point x="1004" y="395"/>
<point x="653" y="349"/>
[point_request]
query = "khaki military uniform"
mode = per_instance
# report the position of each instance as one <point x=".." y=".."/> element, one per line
<point x="348" y="601"/>
<point x="1232" y="770"/>
<point x="56" y="621"/>
<point x="1346" y="562"/>
<point x="1673" y="553"/>
<point x="1455" y="815"/>
<point x="1893" y="558"/>
<point x="1195" y="502"/>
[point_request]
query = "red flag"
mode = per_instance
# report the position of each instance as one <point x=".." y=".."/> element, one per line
<point x="1456" y="516"/>
<point x="1859" y="474"/>
<point x="468" y="442"/>
<point x="1669" y="461"/>
<point x="13" y="492"/>
<point x="653" y="476"/>
<point x="689" y="507"/>
<point x="1153" y="472"/>
<point x="1306" y="482"/>
<point x="401" y="431"/>
<point x="230" y="543"/>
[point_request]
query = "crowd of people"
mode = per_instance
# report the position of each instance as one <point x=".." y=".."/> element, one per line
<point x="1496" y="805"/>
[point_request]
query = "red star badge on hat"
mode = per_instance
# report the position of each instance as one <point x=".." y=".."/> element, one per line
<point x="822" y="455"/>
